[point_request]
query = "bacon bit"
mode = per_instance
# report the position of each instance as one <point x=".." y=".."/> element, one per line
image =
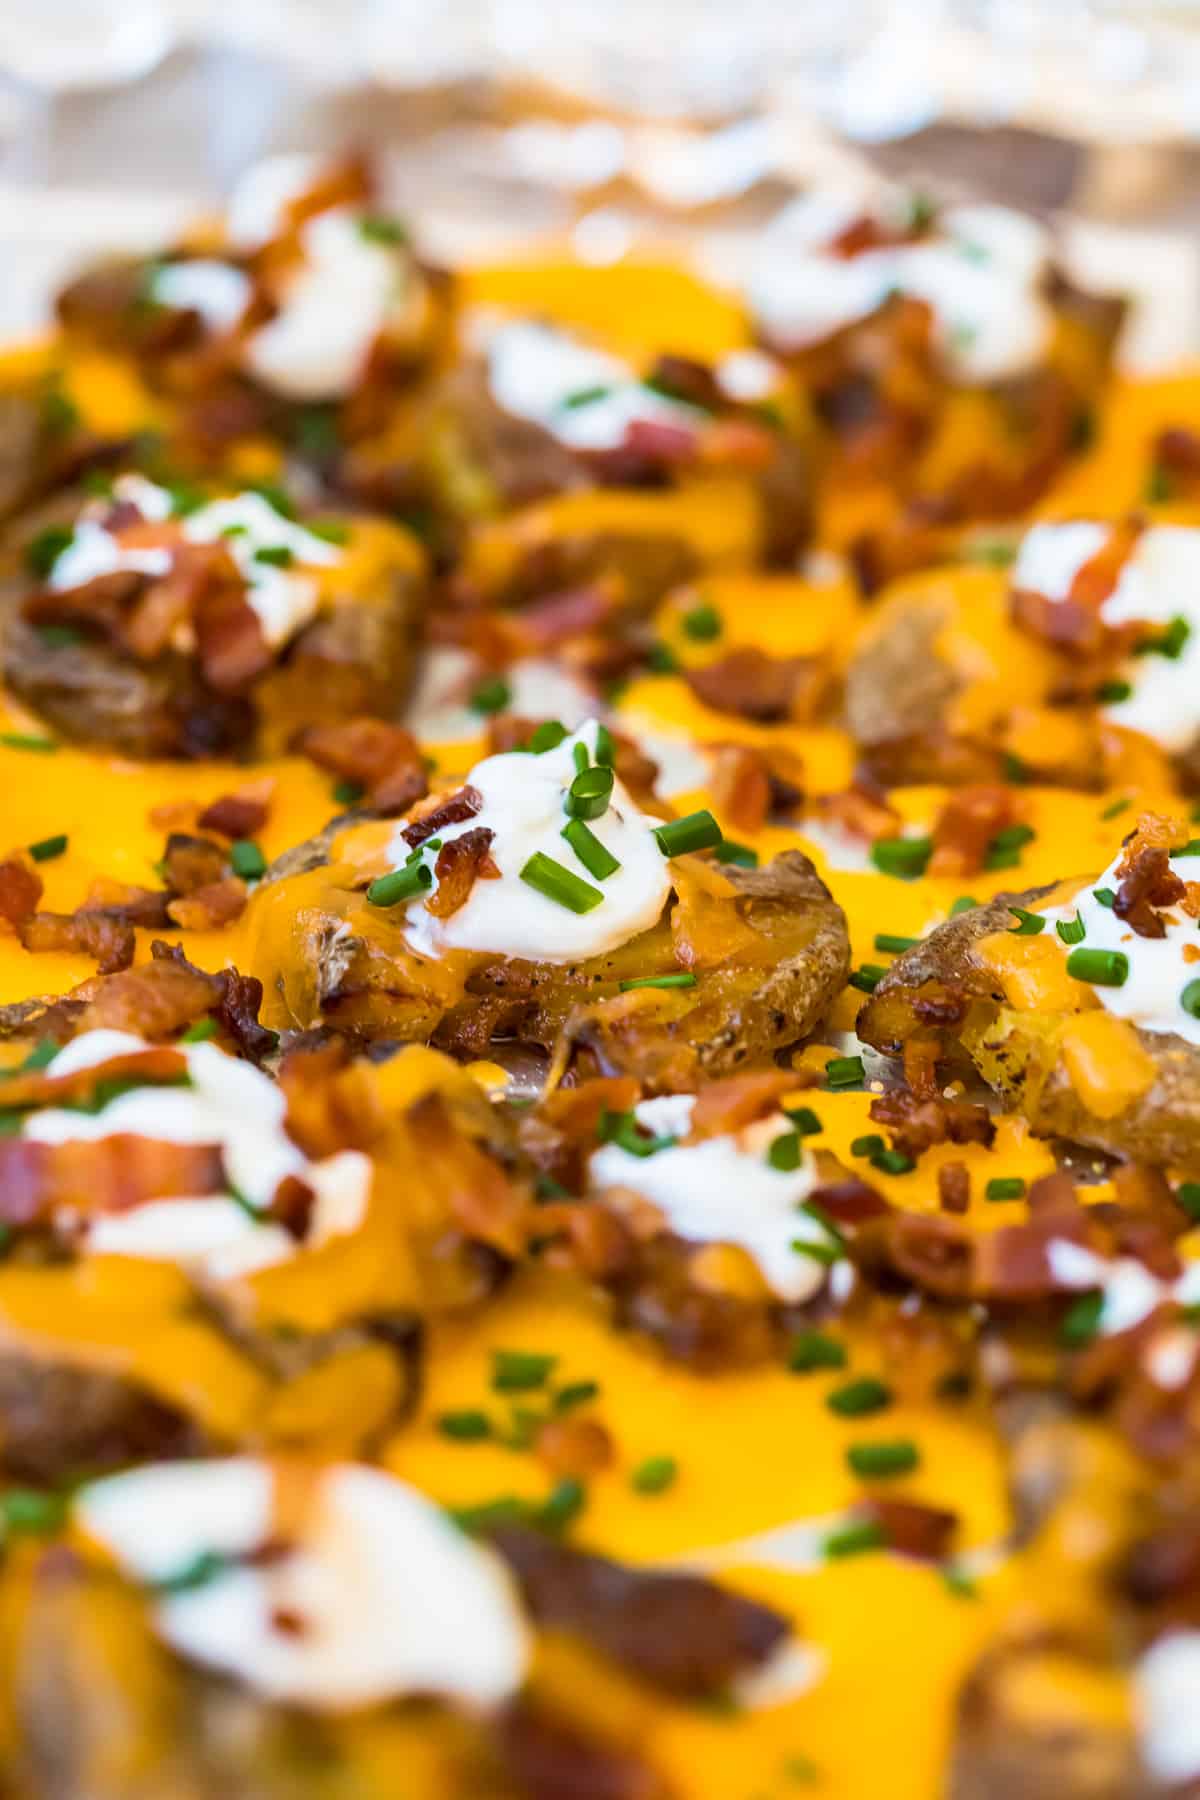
<point x="920" y="1067"/>
<point x="509" y="731"/>
<point x="861" y="812"/>
<point x="1074" y="623"/>
<point x="156" y="1000"/>
<point x="1178" y="450"/>
<point x="461" y="862"/>
<point x="911" y="1529"/>
<point x="1147" y="883"/>
<point x="126" y="901"/>
<point x="454" y="811"/>
<point x="738" y="443"/>
<point x="637" y="771"/>
<point x="954" y="1187"/>
<point x="43" y="1088"/>
<point x="689" y="380"/>
<point x="173" y="815"/>
<point x="576" y="1447"/>
<point x="724" y="1107"/>
<point x="850" y="1202"/>
<point x="863" y="233"/>
<point x="190" y="863"/>
<point x="292" y="1206"/>
<point x="487" y="1207"/>
<point x="740" y="784"/>
<point x="965" y="827"/>
<point x="332" y="1103"/>
<point x="384" y="759"/>
<point x="288" y="1623"/>
<point x="100" y="1175"/>
<point x="21" y="888"/>
<point x="212" y="907"/>
<point x="654" y="441"/>
<point x="238" y="1013"/>
<point x="575" y="1111"/>
<point x="573" y="613"/>
<point x="587" y="1238"/>
<point x="236" y="815"/>
<point x="103" y="935"/>
<point x="767" y="689"/>
<point x="917" y="1123"/>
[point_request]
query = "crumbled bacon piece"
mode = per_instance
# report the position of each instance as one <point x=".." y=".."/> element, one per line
<point x="954" y="1187"/>
<point x="332" y="1102"/>
<point x="917" y="1122"/>
<point x="686" y="378"/>
<point x="461" y="862"/>
<point x="20" y="889"/>
<point x="454" y="811"/>
<point x="42" y="1087"/>
<point x="920" y="1067"/>
<point x="103" y="935"/>
<point x="211" y="907"/>
<point x="912" y="1529"/>
<point x="235" y="815"/>
<point x="485" y="1204"/>
<point x="965" y="827"/>
<point x="192" y="862"/>
<point x="753" y="685"/>
<point x="586" y="1238"/>
<point x="573" y="1446"/>
<point x="861" y="811"/>
<point x="1147" y="883"/>
<point x="741" y="785"/>
<point x="726" y="1106"/>
<point x="156" y="1000"/>
<point x="100" y="1175"/>
<point x="1177" y="449"/>
<point x="384" y="759"/>
<point x="292" y="1206"/>
<point x="849" y="1202"/>
<point x="1075" y="624"/>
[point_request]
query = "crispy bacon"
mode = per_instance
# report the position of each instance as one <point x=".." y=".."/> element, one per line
<point x="954" y="1187"/>
<point x="461" y="862"/>
<point x="232" y="648"/>
<point x="45" y="1088"/>
<point x="212" y="907"/>
<point x="1177" y="449"/>
<point x="100" y="1175"/>
<point x="454" y="811"/>
<point x="753" y="685"/>
<point x="156" y="1000"/>
<point x="741" y="785"/>
<point x="384" y="759"/>
<point x="911" y="1529"/>
<point x="20" y="889"/>
<point x="1147" y="883"/>
<point x="965" y="827"/>
<point x="103" y="935"/>
<point x="916" y="1123"/>
<point x="485" y="1204"/>
<point x="551" y="1757"/>
<point x="332" y="1102"/>
<point x="849" y="1202"/>
<point x="687" y="379"/>
<point x="726" y="1106"/>
<point x="235" y="815"/>
<point x="1074" y="624"/>
<point x="192" y="862"/>
<point x="861" y="810"/>
<point x="681" y="1633"/>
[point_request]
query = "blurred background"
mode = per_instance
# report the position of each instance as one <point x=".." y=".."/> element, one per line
<point x="615" y="127"/>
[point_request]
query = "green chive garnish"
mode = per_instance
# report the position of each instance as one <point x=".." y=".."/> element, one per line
<point x="382" y="228"/>
<point x="401" y="884"/>
<point x="520" y="1371"/>
<point x="868" y="978"/>
<point x="200" y="1032"/>
<point x="547" y="736"/>
<point x="564" y="1504"/>
<point x="964" y="903"/>
<point x="1187" y="1195"/>
<point x="654" y="1475"/>
<point x="586" y="396"/>
<point x="680" y="980"/>
<point x="727" y="851"/>
<point x="875" y="1462"/>
<point x="868" y="1145"/>
<point x="1169" y="642"/>
<point x="44" y="550"/>
<point x="893" y="1162"/>
<point x="784" y="1152"/>
<point x="852" y="1540"/>
<point x="1028" y="924"/>
<point x="815" y="1350"/>
<point x="844" y="1071"/>
<point x="1117" y="807"/>
<point x="20" y="740"/>
<point x="1105" y="896"/>
<point x="1004" y="1187"/>
<point x="855" y="1399"/>
<point x="558" y="884"/>
<point x="661" y="660"/>
<point x="702" y="623"/>
<point x="1004" y="849"/>
<point x="276" y="556"/>
<point x="606" y="749"/>
<point x="1082" y="1320"/>
<point x="1071" y="931"/>
<point x="247" y="860"/>
<point x="590" y="792"/>
<point x="904" y="857"/>
<point x="894" y="946"/>
<point x="468" y="1427"/>
<point x="1111" y="693"/>
<point x="698" y="831"/>
<point x="46" y="849"/>
<point x="491" y="696"/>
<point x="575" y="1393"/>
<point x="579" y="757"/>
<point x="348" y="793"/>
<point x="804" y="1119"/>
<point x="1102" y="968"/>
<point x="1190" y="999"/>
<point x="25" y="1509"/>
<point x="596" y="857"/>
<point x="194" y="1574"/>
<point x="623" y="1130"/>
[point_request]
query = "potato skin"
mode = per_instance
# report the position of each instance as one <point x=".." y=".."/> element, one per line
<point x="1017" y="1052"/>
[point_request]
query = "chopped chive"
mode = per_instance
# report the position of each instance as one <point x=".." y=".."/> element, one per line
<point x="505" y="1509"/>
<point x="1004" y="1187"/>
<point x="804" y="1119"/>
<point x="964" y="903"/>
<point x="904" y="857"/>
<point x="330" y="531"/>
<point x="382" y="228"/>
<point x="1005" y="848"/>
<point x="1015" y="771"/>
<point x="784" y="1152"/>
<point x="596" y="857"/>
<point x="662" y="660"/>
<point x="844" y="1071"/>
<point x="892" y="945"/>
<point x="877" y="1462"/>
<point x="25" y="1509"/>
<point x="564" y="1504"/>
<point x="44" y="550"/>
<point x="401" y="884"/>
<point x="868" y="1145"/>
<point x="20" y="740"/>
<point x="698" y="831"/>
<point x="276" y="556"/>
<point x="275" y="496"/>
<point x="59" y="637"/>
<point x="1187" y="1194"/>
<point x="1158" y="485"/>
<point x="1071" y="931"/>
<point x="579" y="757"/>
<point x="893" y="1162"/>
<point x="1173" y="639"/>
<point x="520" y="1371"/>
<point x="1190" y="999"/>
<point x="655" y="1475"/>
<point x="1117" y="807"/>
<point x="547" y="736"/>
<point x="959" y="1583"/>
<point x="992" y="553"/>
<point x="1082" y="1320"/>
<point x="702" y="623"/>
<point x="1105" y="896"/>
<point x="467" y="1427"/>
<point x="585" y="396"/>
<point x="852" y="1540"/>
<point x="200" y="1032"/>
<point x="827" y="1254"/>
<point x="1028" y="924"/>
<point x="856" y="1399"/>
<point x="348" y="793"/>
<point x="46" y="849"/>
<point x="867" y="978"/>
<point x="575" y="1393"/>
<point x="680" y="980"/>
<point x="194" y="1574"/>
<point x="606" y="749"/>
<point x="815" y="1350"/>
<point x="624" y="1130"/>
<point x="741" y="854"/>
<point x="491" y="696"/>
<point x="247" y="860"/>
<point x="590" y="792"/>
<point x="1102" y="968"/>
<point x="556" y="883"/>
<point x="1111" y="693"/>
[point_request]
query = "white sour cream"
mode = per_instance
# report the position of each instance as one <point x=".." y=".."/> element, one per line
<point x="258" y="205"/>
<point x="1158" y="973"/>
<point x="228" y="1103"/>
<point x="581" y="395"/>
<point x="285" y="599"/>
<point x="215" y="290"/>
<point x="334" y="307"/>
<point x="1167" y="1690"/>
<point x="1130" y="1291"/>
<point x="980" y="271"/>
<point x="439" y="709"/>
<point x="382" y="1595"/>
<point x="724" y="1191"/>
<point x="1160" y="582"/>
<point x="523" y="799"/>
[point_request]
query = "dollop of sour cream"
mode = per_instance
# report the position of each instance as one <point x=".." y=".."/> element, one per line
<point x="217" y="291"/>
<point x="1159" y="583"/>
<point x="1151" y="996"/>
<point x="227" y="1103"/>
<point x="285" y="599"/>
<point x="723" y="1190"/>
<point x="981" y="271"/>
<point x="378" y="1596"/>
<point x="1166" y="1683"/>
<point x="523" y="804"/>
<point x="584" y="397"/>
